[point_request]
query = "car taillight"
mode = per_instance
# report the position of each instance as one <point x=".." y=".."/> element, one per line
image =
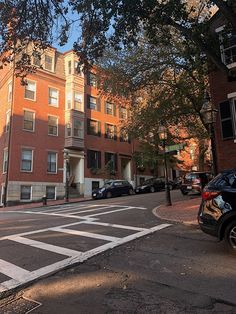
<point x="209" y="195"/>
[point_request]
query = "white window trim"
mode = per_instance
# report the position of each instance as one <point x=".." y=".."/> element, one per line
<point x="25" y="109"/>
<point x="51" y="115"/>
<point x="52" y="151"/>
<point x="4" y="150"/>
<point x="9" y="99"/>
<point x="35" y="97"/>
<point x="9" y="125"/>
<point x="58" y="96"/>
<point x="52" y="55"/>
<point x="32" y="161"/>
<point x="31" y="193"/>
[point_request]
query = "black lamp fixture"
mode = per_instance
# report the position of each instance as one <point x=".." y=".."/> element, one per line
<point x="209" y="114"/>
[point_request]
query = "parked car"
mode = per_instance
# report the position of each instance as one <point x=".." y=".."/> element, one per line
<point x="151" y="185"/>
<point x="217" y="212"/>
<point x="195" y="182"/>
<point x="113" y="188"/>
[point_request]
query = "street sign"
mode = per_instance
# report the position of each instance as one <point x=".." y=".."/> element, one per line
<point x="173" y="148"/>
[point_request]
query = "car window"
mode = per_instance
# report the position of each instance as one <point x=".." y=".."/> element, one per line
<point x="148" y="181"/>
<point x="224" y="180"/>
<point x="118" y="183"/>
<point x="125" y="182"/>
<point x="190" y="176"/>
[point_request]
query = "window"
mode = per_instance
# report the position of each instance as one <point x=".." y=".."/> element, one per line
<point x="36" y="59"/>
<point x="94" y="159"/>
<point x="68" y="100"/>
<point x="78" y="101"/>
<point x="228" y="47"/>
<point x="95" y="185"/>
<point x="78" y="128"/>
<point x="51" y="192"/>
<point x="5" y="160"/>
<point x="48" y="63"/>
<point x="25" y="192"/>
<point x="26" y="160"/>
<point x="68" y="129"/>
<point x="124" y="136"/>
<point x="53" y="97"/>
<point x="77" y="68"/>
<point x="228" y="118"/>
<point x="110" y="109"/>
<point x="52" y="162"/>
<point x="110" y="131"/>
<point x="8" y="119"/>
<point x="29" y="120"/>
<point x="69" y="67"/>
<point x="93" y="127"/>
<point x="111" y="161"/>
<point x="123" y="113"/>
<point x="92" y="79"/>
<point x="93" y="103"/>
<point x="30" y="90"/>
<point x="52" y="125"/>
<point x="9" y="92"/>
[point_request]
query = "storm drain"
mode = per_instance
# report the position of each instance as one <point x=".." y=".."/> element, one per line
<point x="20" y="305"/>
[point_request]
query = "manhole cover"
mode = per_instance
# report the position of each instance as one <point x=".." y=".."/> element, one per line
<point x="20" y="305"/>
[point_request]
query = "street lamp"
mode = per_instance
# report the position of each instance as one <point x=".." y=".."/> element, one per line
<point x="66" y="159"/>
<point x="163" y="137"/>
<point x="208" y="114"/>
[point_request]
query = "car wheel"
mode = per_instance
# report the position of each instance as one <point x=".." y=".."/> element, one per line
<point x="152" y="189"/>
<point x="184" y="192"/>
<point x="230" y="236"/>
<point x="109" y="195"/>
<point x="131" y="192"/>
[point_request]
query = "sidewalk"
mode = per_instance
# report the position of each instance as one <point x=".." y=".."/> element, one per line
<point x="183" y="211"/>
<point x="49" y="203"/>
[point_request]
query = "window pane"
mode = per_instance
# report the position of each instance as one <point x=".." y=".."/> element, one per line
<point x="93" y="103"/>
<point x="227" y="129"/>
<point x="51" y="192"/>
<point x="25" y="192"/>
<point x="52" y="157"/>
<point x="48" y="63"/>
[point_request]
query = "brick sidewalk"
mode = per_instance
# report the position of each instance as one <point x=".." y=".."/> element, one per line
<point x="183" y="211"/>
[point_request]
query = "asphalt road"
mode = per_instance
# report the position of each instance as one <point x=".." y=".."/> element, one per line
<point x="121" y="259"/>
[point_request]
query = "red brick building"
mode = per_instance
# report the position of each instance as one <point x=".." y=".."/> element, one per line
<point x="223" y="93"/>
<point x="58" y="126"/>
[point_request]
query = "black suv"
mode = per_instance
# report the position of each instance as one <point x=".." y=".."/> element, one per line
<point x="113" y="188"/>
<point x="151" y="185"/>
<point x="194" y="182"/>
<point x="217" y="212"/>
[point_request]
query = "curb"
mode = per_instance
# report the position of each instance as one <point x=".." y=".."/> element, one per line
<point x="187" y="223"/>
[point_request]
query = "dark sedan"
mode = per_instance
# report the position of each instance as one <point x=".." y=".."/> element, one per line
<point x="113" y="188"/>
<point x="151" y="185"/>
<point x="217" y="213"/>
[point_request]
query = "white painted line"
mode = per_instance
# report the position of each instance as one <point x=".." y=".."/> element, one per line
<point x="109" y="212"/>
<point x="47" y="247"/>
<point x="86" y="234"/>
<point x="9" y="237"/>
<point x="52" y="214"/>
<point x="90" y="210"/>
<point x="13" y="271"/>
<point x="63" y="210"/>
<point x="11" y="284"/>
<point x="114" y="225"/>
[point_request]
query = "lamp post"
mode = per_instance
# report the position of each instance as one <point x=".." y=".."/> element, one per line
<point x="163" y="137"/>
<point x="208" y="114"/>
<point x="66" y="159"/>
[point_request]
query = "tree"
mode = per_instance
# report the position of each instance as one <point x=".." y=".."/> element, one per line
<point x="116" y="23"/>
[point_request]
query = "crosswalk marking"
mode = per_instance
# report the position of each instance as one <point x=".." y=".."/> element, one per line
<point x="84" y="214"/>
<point x="86" y="234"/>
<point x="114" y="225"/>
<point x="13" y="271"/>
<point x="47" y="247"/>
